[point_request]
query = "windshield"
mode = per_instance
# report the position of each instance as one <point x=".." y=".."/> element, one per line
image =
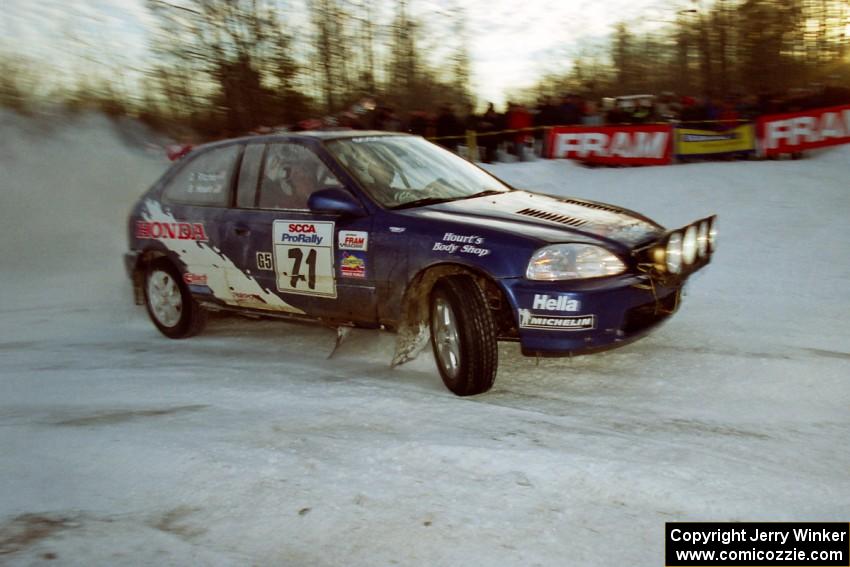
<point x="406" y="171"/>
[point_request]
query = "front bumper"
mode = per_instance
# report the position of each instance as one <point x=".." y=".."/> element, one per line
<point x="566" y="318"/>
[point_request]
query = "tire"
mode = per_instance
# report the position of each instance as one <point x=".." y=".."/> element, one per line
<point x="463" y="335"/>
<point x="170" y="304"/>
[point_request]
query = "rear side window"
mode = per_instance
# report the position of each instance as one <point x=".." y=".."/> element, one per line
<point x="206" y="179"/>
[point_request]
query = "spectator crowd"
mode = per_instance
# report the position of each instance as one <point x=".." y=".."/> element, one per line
<point x="520" y="128"/>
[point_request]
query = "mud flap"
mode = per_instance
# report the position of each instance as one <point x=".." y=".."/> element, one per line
<point x="414" y="330"/>
<point x="341" y="334"/>
<point x="410" y="341"/>
<point x="138" y="287"/>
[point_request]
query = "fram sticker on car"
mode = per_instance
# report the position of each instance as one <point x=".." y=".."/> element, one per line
<point x="528" y="320"/>
<point x="303" y="257"/>
<point x="353" y="240"/>
<point x="352" y="265"/>
<point x="147" y="230"/>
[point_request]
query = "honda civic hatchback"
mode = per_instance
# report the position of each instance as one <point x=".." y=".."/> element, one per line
<point x="389" y="231"/>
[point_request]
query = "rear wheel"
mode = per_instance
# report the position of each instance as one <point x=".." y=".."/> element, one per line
<point x="170" y="304"/>
<point x="463" y="335"/>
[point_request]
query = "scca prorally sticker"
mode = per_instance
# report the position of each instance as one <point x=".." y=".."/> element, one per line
<point x="528" y="320"/>
<point x="303" y="257"/>
<point x="352" y="265"/>
<point x="464" y="244"/>
<point x="353" y="240"/>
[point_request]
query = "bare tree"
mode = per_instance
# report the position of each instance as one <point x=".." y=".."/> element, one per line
<point x="231" y="56"/>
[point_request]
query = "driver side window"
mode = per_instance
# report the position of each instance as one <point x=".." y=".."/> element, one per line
<point x="291" y="173"/>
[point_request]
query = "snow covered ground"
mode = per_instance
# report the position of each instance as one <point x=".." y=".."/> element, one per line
<point x="246" y="445"/>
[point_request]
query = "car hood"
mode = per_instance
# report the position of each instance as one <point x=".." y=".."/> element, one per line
<point x="548" y="218"/>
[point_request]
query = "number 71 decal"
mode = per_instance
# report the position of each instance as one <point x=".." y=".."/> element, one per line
<point x="303" y="255"/>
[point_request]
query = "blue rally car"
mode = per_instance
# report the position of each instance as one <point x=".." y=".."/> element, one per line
<point x="379" y="230"/>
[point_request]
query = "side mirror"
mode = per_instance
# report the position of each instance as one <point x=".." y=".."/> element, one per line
<point x="335" y="202"/>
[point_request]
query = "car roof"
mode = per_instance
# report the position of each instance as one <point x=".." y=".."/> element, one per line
<point x="321" y="135"/>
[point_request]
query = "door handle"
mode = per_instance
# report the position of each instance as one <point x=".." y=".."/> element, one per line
<point x="241" y="230"/>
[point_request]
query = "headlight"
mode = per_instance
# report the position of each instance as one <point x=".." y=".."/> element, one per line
<point x="689" y="245"/>
<point x="571" y="262"/>
<point x="702" y="239"/>
<point x="673" y="254"/>
<point x="712" y="234"/>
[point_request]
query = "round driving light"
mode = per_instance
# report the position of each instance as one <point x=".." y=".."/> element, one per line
<point x="689" y="245"/>
<point x="702" y="239"/>
<point x="712" y="235"/>
<point x="673" y="256"/>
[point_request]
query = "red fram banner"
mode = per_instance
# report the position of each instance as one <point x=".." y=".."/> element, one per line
<point x="818" y="128"/>
<point x="643" y="144"/>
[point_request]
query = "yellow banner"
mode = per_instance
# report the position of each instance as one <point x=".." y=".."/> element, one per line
<point x="691" y="142"/>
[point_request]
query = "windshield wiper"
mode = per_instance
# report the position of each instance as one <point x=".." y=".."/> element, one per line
<point x="485" y="193"/>
<point x="423" y="202"/>
<point x="435" y="200"/>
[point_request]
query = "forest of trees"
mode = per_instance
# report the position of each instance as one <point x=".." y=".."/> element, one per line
<point x="221" y="67"/>
<point x="227" y="66"/>
<point x="736" y="47"/>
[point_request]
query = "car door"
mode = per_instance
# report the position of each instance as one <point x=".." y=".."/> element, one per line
<point x="316" y="264"/>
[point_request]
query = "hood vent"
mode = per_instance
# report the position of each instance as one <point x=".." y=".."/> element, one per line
<point x="597" y="206"/>
<point x="554" y="217"/>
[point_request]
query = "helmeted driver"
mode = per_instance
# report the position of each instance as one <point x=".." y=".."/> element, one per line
<point x="289" y="183"/>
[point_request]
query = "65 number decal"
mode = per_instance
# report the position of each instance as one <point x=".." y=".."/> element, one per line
<point x="303" y="255"/>
<point x="264" y="261"/>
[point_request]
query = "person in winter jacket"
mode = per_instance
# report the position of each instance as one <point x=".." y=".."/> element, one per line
<point x="518" y="118"/>
<point x="488" y="124"/>
<point x="449" y="129"/>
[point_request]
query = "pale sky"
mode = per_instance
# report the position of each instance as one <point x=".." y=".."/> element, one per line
<point x="512" y="43"/>
<point x="518" y="42"/>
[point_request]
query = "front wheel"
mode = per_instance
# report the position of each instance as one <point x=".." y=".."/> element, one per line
<point x="170" y="305"/>
<point x="463" y="335"/>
